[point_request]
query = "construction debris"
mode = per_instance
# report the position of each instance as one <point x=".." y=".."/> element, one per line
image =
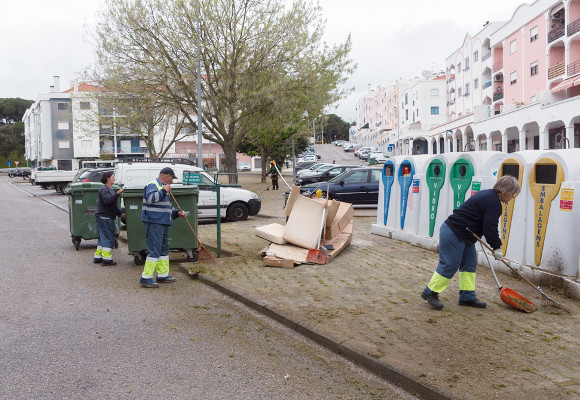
<point x="304" y="231"/>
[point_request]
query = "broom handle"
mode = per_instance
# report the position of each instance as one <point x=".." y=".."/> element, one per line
<point x="503" y="261"/>
<point x="188" y="224"/>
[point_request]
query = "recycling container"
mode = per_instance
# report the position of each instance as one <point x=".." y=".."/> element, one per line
<point x="180" y="236"/>
<point x="460" y="177"/>
<point x="486" y="165"/>
<point x="82" y="207"/>
<point x="405" y="174"/>
<point x="513" y="219"/>
<point x="552" y="242"/>
<point x="385" y="192"/>
<point x="414" y="198"/>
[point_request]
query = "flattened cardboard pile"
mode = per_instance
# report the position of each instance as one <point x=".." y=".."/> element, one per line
<point x="305" y="230"/>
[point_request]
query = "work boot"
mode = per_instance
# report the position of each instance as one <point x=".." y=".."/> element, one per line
<point x="166" y="279"/>
<point x="109" y="262"/>
<point x="433" y="300"/>
<point x="473" y="303"/>
<point x="97" y="260"/>
<point x="148" y="283"/>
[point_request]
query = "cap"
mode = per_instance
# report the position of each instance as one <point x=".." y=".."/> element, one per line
<point x="168" y="171"/>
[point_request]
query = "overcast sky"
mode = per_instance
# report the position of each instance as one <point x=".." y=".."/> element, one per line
<point x="391" y="39"/>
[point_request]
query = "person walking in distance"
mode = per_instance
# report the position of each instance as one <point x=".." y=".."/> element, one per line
<point x="158" y="215"/>
<point x="107" y="212"/>
<point x="480" y="213"/>
<point x="274" y="175"/>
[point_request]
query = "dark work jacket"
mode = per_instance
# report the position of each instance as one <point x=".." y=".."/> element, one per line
<point x="107" y="203"/>
<point x="480" y="213"/>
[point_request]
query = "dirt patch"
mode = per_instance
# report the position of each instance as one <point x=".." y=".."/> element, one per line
<point x="369" y="299"/>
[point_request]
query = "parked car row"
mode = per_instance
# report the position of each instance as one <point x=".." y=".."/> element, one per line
<point x="22" y="172"/>
<point x="356" y="185"/>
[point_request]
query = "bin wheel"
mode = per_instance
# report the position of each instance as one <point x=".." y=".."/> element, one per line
<point x="77" y="242"/>
<point x="139" y="259"/>
<point x="116" y="243"/>
<point x="191" y="255"/>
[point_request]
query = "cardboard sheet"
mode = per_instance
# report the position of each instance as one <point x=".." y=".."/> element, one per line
<point x="294" y="193"/>
<point x="303" y="227"/>
<point x="344" y="216"/>
<point x="288" y="252"/>
<point x="272" y="233"/>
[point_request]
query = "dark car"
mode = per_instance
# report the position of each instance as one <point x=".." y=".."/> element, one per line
<point x="88" y="175"/>
<point x="326" y="175"/>
<point x="23" y="172"/>
<point x="355" y="186"/>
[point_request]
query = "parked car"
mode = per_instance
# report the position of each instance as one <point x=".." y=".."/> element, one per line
<point x="364" y="155"/>
<point x="379" y="157"/>
<point x="88" y="175"/>
<point x="313" y="170"/>
<point x="235" y="203"/>
<point x="356" y="186"/>
<point x="326" y="175"/>
<point x="23" y="172"/>
<point x="244" y="166"/>
<point x="357" y="152"/>
<point x="347" y="147"/>
<point x="307" y="158"/>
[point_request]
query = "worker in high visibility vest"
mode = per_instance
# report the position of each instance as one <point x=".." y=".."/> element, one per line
<point x="158" y="215"/>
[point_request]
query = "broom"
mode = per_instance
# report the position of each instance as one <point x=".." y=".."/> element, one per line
<point x="203" y="254"/>
<point x="546" y="300"/>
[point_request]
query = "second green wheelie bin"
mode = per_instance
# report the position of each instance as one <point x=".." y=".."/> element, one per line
<point x="82" y="207"/>
<point x="180" y="236"/>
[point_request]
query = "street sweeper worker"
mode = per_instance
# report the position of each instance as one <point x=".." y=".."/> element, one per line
<point x="274" y="172"/>
<point x="107" y="212"/>
<point x="480" y="213"/>
<point x="158" y="215"/>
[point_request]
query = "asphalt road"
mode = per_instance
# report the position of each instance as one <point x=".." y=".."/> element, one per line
<point x="70" y="329"/>
<point x="330" y="153"/>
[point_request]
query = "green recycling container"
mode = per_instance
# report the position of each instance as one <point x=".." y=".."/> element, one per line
<point x="460" y="180"/>
<point x="372" y="161"/>
<point x="180" y="236"/>
<point x="82" y="207"/>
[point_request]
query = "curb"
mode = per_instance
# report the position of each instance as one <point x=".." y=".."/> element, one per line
<point x="371" y="364"/>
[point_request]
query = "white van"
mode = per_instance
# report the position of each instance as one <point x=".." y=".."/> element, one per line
<point x="236" y="203"/>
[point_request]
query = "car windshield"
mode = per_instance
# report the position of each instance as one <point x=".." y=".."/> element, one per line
<point x="84" y="175"/>
<point x="324" y="168"/>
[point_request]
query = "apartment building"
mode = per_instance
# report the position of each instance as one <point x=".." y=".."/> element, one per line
<point x="376" y="116"/>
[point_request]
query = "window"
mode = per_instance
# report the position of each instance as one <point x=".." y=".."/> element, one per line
<point x="85" y="105"/>
<point x="533" y="34"/>
<point x="63" y="144"/>
<point x="476" y="56"/>
<point x="467" y="63"/>
<point x="406" y="98"/>
<point x="534" y="68"/>
<point x="434" y="110"/>
<point x="434" y="92"/>
<point x="476" y="83"/>
<point x="467" y="89"/>
<point x="513" y="77"/>
<point x="459" y="92"/>
<point x="62" y="106"/>
<point x="359" y="176"/>
<point x="63" y="126"/>
<point x="513" y="46"/>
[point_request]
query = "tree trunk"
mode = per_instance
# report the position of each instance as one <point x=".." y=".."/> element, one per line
<point x="230" y="160"/>
<point x="264" y="166"/>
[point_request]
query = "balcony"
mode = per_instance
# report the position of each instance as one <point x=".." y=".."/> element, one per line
<point x="486" y="85"/>
<point x="497" y="96"/>
<point x="498" y="66"/>
<point x="451" y="79"/>
<point x="124" y="150"/>
<point x="485" y="57"/>
<point x="573" y="27"/>
<point x="574" y="68"/>
<point x="557" y="70"/>
<point x="556" y="33"/>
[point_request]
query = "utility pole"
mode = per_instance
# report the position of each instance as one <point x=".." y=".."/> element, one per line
<point x="199" y="135"/>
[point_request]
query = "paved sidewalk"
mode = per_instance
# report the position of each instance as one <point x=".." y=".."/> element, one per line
<point x="365" y="304"/>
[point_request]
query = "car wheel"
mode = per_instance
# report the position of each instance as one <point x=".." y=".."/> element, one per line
<point x="237" y="212"/>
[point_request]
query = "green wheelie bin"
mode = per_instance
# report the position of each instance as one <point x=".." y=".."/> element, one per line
<point x="82" y="207"/>
<point x="180" y="236"/>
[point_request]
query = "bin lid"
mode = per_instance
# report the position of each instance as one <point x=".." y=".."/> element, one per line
<point x="79" y="187"/>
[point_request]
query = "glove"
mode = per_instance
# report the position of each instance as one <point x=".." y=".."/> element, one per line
<point x="497" y="254"/>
